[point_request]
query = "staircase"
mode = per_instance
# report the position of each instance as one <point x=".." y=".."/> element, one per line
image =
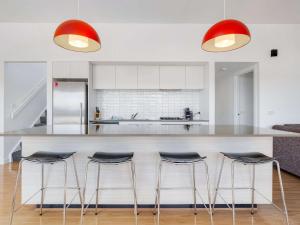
<point x="42" y="121"/>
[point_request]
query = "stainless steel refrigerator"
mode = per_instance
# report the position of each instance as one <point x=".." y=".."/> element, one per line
<point x="70" y="102"/>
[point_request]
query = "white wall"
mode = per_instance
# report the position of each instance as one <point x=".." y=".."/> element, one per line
<point x="181" y="42"/>
<point x="19" y="80"/>
<point x="279" y="77"/>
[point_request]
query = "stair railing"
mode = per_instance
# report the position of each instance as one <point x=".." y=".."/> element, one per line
<point x="22" y="103"/>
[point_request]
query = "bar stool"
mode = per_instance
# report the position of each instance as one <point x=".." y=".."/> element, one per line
<point x="50" y="158"/>
<point x="252" y="159"/>
<point x="182" y="158"/>
<point x="105" y="158"/>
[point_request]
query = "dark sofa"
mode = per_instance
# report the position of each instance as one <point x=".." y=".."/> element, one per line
<point x="287" y="149"/>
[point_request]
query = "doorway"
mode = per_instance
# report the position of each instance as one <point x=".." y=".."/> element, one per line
<point x="244" y="99"/>
<point x="236" y="93"/>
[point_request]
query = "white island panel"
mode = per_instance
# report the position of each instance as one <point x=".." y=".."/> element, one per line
<point x="146" y="159"/>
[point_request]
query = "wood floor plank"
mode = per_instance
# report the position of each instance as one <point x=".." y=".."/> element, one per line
<point x="266" y="215"/>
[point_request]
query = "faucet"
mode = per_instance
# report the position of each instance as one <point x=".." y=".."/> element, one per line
<point x="133" y="116"/>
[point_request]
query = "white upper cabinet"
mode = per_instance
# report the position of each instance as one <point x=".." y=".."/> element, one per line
<point x="60" y="69"/>
<point x="194" y="77"/>
<point x="70" y="70"/>
<point x="104" y="76"/>
<point x="126" y="76"/>
<point x="172" y="77"/>
<point x="79" y="69"/>
<point x="110" y="76"/>
<point x="148" y="77"/>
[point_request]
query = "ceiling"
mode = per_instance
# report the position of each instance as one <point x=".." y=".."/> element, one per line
<point x="151" y="11"/>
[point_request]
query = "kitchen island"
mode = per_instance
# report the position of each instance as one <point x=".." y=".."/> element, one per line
<point x="146" y="141"/>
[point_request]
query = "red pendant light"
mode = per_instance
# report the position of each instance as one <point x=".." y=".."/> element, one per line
<point x="77" y="35"/>
<point x="226" y="35"/>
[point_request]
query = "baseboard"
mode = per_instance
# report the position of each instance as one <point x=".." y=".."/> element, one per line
<point x="147" y="206"/>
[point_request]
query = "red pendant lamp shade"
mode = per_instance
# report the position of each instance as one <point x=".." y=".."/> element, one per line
<point x="226" y="35"/>
<point x="77" y="35"/>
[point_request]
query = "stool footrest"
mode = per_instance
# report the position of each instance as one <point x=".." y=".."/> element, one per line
<point x="177" y="188"/>
<point x="235" y="188"/>
<point x="115" y="188"/>
<point x="54" y="187"/>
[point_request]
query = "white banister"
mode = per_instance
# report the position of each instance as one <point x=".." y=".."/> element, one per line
<point x="22" y="103"/>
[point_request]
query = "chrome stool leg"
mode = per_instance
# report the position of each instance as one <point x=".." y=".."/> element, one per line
<point x="39" y="158"/>
<point x="253" y="189"/>
<point x="208" y="193"/>
<point x="97" y="190"/>
<point x="158" y="191"/>
<point x="83" y="193"/>
<point x="218" y="184"/>
<point x="65" y="191"/>
<point x="42" y="188"/>
<point x="133" y="180"/>
<point x="194" y="190"/>
<point x="98" y="159"/>
<point x="285" y="212"/>
<point x="77" y="179"/>
<point x="232" y="192"/>
<point x="15" y="192"/>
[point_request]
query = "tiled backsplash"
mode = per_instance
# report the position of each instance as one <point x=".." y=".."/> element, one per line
<point x="150" y="104"/>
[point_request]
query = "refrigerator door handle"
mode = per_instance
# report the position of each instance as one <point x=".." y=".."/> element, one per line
<point x="81" y="113"/>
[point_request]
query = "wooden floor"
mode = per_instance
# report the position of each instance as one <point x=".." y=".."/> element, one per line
<point x="266" y="215"/>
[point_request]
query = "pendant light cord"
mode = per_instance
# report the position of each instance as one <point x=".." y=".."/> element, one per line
<point x="77" y="9"/>
<point x="224" y="9"/>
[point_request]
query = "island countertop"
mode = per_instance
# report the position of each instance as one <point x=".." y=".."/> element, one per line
<point x="148" y="130"/>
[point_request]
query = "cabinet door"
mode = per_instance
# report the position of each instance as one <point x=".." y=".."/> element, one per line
<point x="148" y="77"/>
<point x="104" y="77"/>
<point x="194" y="77"/>
<point x="60" y="69"/>
<point x="79" y="70"/>
<point x="126" y="77"/>
<point x="172" y="77"/>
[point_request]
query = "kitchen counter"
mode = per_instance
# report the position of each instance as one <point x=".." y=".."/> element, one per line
<point x="146" y="121"/>
<point x="146" y="141"/>
<point x="148" y="130"/>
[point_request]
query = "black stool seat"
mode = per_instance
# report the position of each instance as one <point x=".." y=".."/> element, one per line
<point x="249" y="157"/>
<point x="48" y="157"/>
<point x="181" y="157"/>
<point x="112" y="157"/>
